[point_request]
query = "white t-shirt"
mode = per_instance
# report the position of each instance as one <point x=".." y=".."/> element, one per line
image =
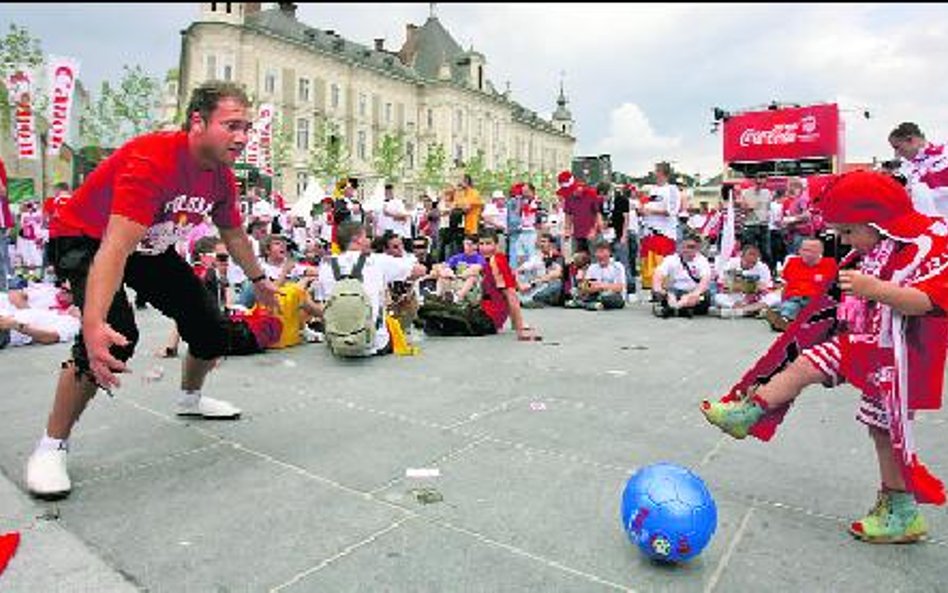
<point x="775" y="216"/>
<point x="387" y="222"/>
<point x="380" y="270"/>
<point x="273" y="271"/>
<point x="668" y="197"/>
<point x="926" y="175"/>
<point x="759" y="271"/>
<point x="611" y="273"/>
<point x="66" y="326"/>
<point x="673" y="269"/>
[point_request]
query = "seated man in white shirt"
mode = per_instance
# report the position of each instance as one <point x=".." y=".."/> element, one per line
<point x="379" y="271"/>
<point x="604" y="284"/>
<point x="24" y="322"/>
<point x="745" y="285"/>
<point x="540" y="278"/>
<point x="680" y="283"/>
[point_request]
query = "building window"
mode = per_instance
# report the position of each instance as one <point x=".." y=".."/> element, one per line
<point x="360" y="145"/>
<point x="303" y="94"/>
<point x="363" y="102"/>
<point x="228" y="71"/>
<point x="388" y="113"/>
<point x="302" y="134"/>
<point x="269" y="82"/>
<point x="458" y="120"/>
<point x="430" y="119"/>
<point x="480" y="127"/>
<point x="334" y="96"/>
<point x="458" y="155"/>
<point x="301" y="179"/>
<point x="410" y="155"/>
<point x="227" y="7"/>
<point x="211" y="62"/>
<point x="480" y="78"/>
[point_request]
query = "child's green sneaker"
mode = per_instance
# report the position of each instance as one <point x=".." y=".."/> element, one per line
<point x="735" y="417"/>
<point x="895" y="519"/>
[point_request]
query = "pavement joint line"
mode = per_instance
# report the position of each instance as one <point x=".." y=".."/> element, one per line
<point x="529" y="555"/>
<point x="713" y="452"/>
<point x="479" y="415"/>
<point x="726" y="559"/>
<point x="128" y="469"/>
<point x="449" y="456"/>
<point x="342" y="554"/>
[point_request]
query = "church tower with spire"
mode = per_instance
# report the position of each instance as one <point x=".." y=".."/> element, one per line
<point x="562" y="118"/>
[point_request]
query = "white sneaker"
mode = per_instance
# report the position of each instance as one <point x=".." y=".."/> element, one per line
<point x="210" y="408"/>
<point x="46" y="475"/>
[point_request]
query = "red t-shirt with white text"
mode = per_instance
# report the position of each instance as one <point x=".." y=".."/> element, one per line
<point x="152" y="180"/>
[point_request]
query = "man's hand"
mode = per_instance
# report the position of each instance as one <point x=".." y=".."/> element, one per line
<point x="7" y="323"/>
<point x="265" y="292"/>
<point x="862" y="285"/>
<point x="99" y="338"/>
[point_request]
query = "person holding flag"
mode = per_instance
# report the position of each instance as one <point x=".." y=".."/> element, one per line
<point x="889" y="340"/>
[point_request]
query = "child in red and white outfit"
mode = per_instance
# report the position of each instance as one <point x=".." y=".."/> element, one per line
<point x="892" y="345"/>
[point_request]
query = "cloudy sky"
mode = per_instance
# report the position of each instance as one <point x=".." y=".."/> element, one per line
<point x="641" y="79"/>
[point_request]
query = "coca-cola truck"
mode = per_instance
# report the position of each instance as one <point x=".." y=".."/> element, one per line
<point x="782" y="142"/>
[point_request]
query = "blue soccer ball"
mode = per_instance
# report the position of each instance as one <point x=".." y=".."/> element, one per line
<point x="668" y="512"/>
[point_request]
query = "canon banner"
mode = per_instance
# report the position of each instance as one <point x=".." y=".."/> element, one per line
<point x="782" y="134"/>
<point x="20" y="90"/>
<point x="264" y="128"/>
<point x="62" y="74"/>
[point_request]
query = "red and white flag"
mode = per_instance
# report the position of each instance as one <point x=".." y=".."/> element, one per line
<point x="62" y="74"/>
<point x="20" y="90"/>
<point x="264" y="127"/>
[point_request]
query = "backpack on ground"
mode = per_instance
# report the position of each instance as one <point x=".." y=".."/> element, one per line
<point x="350" y="327"/>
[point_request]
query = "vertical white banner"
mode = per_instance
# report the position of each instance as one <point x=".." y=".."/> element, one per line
<point x="728" y="238"/>
<point x="264" y="126"/>
<point x="62" y="75"/>
<point x="20" y="90"/>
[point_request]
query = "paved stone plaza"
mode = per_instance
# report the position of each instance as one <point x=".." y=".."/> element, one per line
<point x="533" y="442"/>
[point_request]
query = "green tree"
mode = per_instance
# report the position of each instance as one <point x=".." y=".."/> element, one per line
<point x="120" y="112"/>
<point x="19" y="48"/>
<point x="506" y="175"/>
<point x="390" y="156"/>
<point x="434" y="170"/>
<point x="481" y="176"/>
<point x="329" y="155"/>
<point x="281" y="143"/>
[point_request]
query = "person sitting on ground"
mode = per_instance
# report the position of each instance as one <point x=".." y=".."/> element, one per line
<point x="210" y="261"/>
<point x="540" y="278"/>
<point x="402" y="302"/>
<point x="803" y="274"/>
<point x="745" y="285"/>
<point x="680" y="283"/>
<point x="375" y="272"/>
<point x="459" y="277"/>
<point x="575" y="274"/>
<point x="604" y="284"/>
<point x="25" y="320"/>
<point x="499" y="301"/>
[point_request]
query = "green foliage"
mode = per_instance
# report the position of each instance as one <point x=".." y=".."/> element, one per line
<point x="481" y="176"/>
<point x="329" y="155"/>
<point x="120" y="112"/>
<point x="434" y="170"/>
<point x="281" y="143"/>
<point x="390" y="156"/>
<point x="18" y="48"/>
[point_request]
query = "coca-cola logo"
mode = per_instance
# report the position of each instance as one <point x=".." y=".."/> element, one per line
<point x="781" y="134"/>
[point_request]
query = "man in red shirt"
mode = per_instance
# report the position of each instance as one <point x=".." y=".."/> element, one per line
<point x="803" y="275"/>
<point x="583" y="209"/>
<point x="120" y="228"/>
<point x="499" y="290"/>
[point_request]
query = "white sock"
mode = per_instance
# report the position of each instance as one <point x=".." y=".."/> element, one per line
<point x="189" y="398"/>
<point x="48" y="443"/>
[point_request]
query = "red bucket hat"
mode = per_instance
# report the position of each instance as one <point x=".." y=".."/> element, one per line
<point x="869" y="197"/>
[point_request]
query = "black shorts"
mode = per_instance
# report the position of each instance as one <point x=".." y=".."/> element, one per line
<point x="166" y="281"/>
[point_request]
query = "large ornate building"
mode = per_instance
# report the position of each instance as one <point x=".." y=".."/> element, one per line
<point x="431" y="91"/>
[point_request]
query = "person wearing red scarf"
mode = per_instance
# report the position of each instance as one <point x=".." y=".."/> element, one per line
<point x="891" y="346"/>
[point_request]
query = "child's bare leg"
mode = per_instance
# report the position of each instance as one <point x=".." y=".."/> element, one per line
<point x="466" y="287"/>
<point x="888" y="469"/>
<point x="786" y="385"/>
